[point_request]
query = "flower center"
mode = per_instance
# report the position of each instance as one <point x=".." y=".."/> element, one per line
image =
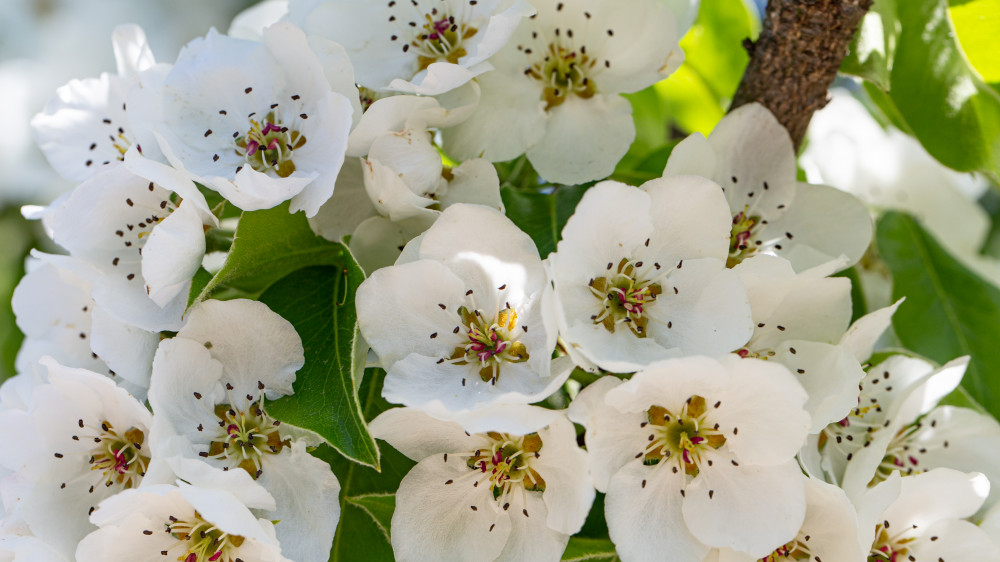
<point x="794" y="550"/>
<point x="202" y="541"/>
<point x="119" y="457"/>
<point x="489" y="343"/>
<point x="625" y="297"/>
<point x="245" y="436"/>
<point x="564" y="72"/>
<point x="740" y="247"/>
<point x="684" y="436"/>
<point x="441" y="38"/>
<point x="508" y="463"/>
<point x="887" y="547"/>
<point x="268" y="146"/>
<point x="899" y="455"/>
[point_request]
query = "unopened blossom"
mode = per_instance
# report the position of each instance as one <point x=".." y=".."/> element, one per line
<point x="145" y="241"/>
<point x="640" y="275"/>
<point x="749" y="154"/>
<point x="554" y="93"/>
<point x="88" y="124"/>
<point x="515" y="493"/>
<point x="210" y="388"/>
<point x="926" y="518"/>
<point x="93" y="442"/>
<point x="260" y="122"/>
<point x="424" y="47"/>
<point x="459" y="323"/>
<point x="829" y="532"/>
<point x="695" y="453"/>
<point x="182" y="522"/>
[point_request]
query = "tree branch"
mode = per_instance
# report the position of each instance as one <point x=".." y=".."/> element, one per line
<point x="797" y="56"/>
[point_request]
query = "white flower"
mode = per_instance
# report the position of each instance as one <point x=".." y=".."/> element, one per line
<point x="87" y="125"/>
<point x="209" y="390"/>
<point x="750" y="155"/>
<point x="924" y="519"/>
<point x="554" y="93"/>
<point x="260" y="122"/>
<point x="829" y="532"/>
<point x="896" y="428"/>
<point x="145" y="241"/>
<point x="183" y="522"/>
<point x="507" y="494"/>
<point x="801" y="321"/>
<point x="695" y="453"/>
<point x="427" y="47"/>
<point x="93" y="442"/>
<point x="60" y="319"/>
<point x="639" y="276"/>
<point x="462" y="325"/>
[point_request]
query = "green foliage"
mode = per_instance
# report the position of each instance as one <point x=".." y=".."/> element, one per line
<point x="582" y="549"/>
<point x="977" y="23"/>
<point x="319" y="302"/>
<point x="949" y="311"/>
<point x="268" y="245"/>
<point x="365" y="511"/>
<point x="873" y="48"/>
<point x="911" y="50"/>
<point x="542" y="216"/>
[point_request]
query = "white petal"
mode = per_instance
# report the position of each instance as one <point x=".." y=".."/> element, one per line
<point x="690" y="217"/>
<point x="584" y="139"/>
<point x="955" y="540"/>
<point x="863" y="333"/>
<point x="829" y="374"/>
<point x="347" y="208"/>
<point x="269" y="353"/>
<point x="643" y="510"/>
<point x="418" y="435"/>
<point x="435" y="521"/>
<point x="530" y="537"/>
<point x="132" y="52"/>
<point x="127" y="350"/>
<point x="562" y="464"/>
<point x="750" y="508"/>
<point x="173" y="253"/>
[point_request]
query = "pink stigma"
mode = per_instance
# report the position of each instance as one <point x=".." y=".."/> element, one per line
<point x="216" y="556"/>
<point x="252" y="147"/>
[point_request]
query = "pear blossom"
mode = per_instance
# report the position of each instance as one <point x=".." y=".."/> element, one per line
<point x="260" y="122"/>
<point x="749" y="154"/>
<point x="146" y="246"/>
<point x="209" y="390"/>
<point x="801" y="321"/>
<point x="427" y="47"/>
<point x="93" y="442"/>
<point x="182" y="522"/>
<point x="403" y="172"/>
<point x="459" y="323"/>
<point x="896" y="428"/>
<point x="639" y="276"/>
<point x="695" y="453"/>
<point x="88" y="125"/>
<point x="554" y="93"/>
<point x="54" y="308"/>
<point x="511" y="494"/>
<point x="925" y="518"/>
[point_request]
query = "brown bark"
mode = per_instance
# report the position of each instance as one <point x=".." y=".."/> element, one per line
<point x="796" y="58"/>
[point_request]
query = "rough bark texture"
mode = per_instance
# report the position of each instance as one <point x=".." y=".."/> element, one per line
<point x="797" y="56"/>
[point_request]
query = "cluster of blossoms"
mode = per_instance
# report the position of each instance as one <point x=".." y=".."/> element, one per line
<point x="685" y="351"/>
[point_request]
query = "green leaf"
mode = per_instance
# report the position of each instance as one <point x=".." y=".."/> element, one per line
<point x="319" y="302"/>
<point x="953" y="113"/>
<point x="596" y="550"/>
<point x="379" y="507"/>
<point x="359" y="535"/>
<point x="268" y="245"/>
<point x="874" y="46"/>
<point x="542" y="216"/>
<point x="690" y="102"/>
<point x="949" y="310"/>
<point x="977" y="23"/>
